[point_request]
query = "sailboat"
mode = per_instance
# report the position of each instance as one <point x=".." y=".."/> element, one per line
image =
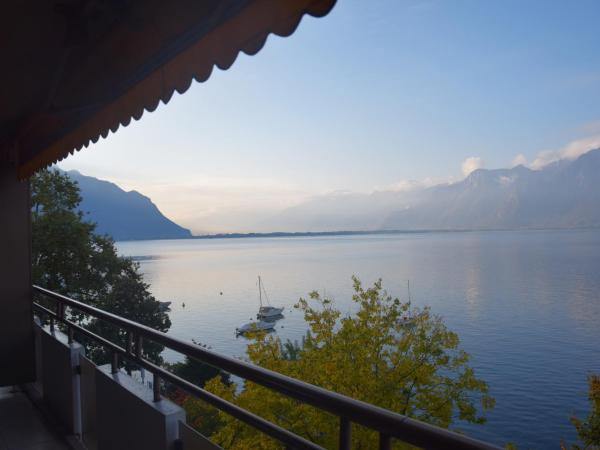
<point x="261" y="325"/>
<point x="266" y="311"/>
<point x="407" y="318"/>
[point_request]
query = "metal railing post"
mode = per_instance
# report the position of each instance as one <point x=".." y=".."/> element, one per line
<point x="156" y="387"/>
<point x="345" y="434"/>
<point x="138" y="346"/>
<point x="139" y="352"/>
<point x="385" y="442"/>
<point x="129" y="343"/>
<point x="114" y="363"/>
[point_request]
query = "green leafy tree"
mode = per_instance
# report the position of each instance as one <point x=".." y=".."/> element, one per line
<point x="69" y="257"/>
<point x="388" y="354"/>
<point x="588" y="430"/>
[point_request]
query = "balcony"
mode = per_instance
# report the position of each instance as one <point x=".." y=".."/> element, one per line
<point x="23" y="426"/>
<point x="103" y="407"/>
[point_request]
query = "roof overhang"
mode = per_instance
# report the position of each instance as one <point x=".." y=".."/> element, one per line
<point x="75" y="70"/>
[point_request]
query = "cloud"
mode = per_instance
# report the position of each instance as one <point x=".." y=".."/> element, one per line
<point x="413" y="185"/>
<point x="519" y="160"/>
<point x="471" y="164"/>
<point x="571" y="151"/>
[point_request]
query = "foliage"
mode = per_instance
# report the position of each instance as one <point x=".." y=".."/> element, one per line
<point x="197" y="372"/>
<point x="292" y="350"/>
<point x="70" y="258"/>
<point x="414" y="367"/>
<point x="200" y="415"/>
<point x="588" y="430"/>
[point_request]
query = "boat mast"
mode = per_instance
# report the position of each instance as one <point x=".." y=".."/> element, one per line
<point x="259" y="292"/>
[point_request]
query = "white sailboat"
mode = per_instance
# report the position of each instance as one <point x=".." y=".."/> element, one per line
<point x="407" y="318"/>
<point x="261" y="325"/>
<point x="266" y="311"/>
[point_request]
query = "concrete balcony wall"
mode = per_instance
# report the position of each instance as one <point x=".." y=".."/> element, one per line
<point x="104" y="410"/>
<point x="89" y="433"/>
<point x="60" y="378"/>
<point x="37" y="333"/>
<point x="127" y="416"/>
<point x="192" y="440"/>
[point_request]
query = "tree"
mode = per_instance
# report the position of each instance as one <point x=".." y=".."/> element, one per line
<point x="62" y="241"/>
<point x="389" y="354"/>
<point x="200" y="415"/>
<point x="70" y="258"/>
<point x="197" y="372"/>
<point x="588" y="430"/>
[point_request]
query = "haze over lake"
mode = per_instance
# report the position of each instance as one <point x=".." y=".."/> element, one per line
<point x="526" y="305"/>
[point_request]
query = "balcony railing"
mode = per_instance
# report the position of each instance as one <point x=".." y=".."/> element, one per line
<point x="387" y="424"/>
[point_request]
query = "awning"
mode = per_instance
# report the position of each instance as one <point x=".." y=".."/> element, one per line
<point x="74" y="70"/>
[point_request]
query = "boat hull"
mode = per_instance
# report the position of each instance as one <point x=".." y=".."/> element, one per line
<point x="255" y="326"/>
<point x="270" y="312"/>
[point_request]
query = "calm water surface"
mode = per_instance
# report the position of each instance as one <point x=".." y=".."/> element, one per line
<point x="526" y="305"/>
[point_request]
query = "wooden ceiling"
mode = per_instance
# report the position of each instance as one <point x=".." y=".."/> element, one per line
<point x="73" y="70"/>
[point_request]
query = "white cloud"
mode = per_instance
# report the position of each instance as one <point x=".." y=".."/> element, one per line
<point x="413" y="185"/>
<point x="571" y="151"/>
<point x="519" y="160"/>
<point x="471" y="164"/>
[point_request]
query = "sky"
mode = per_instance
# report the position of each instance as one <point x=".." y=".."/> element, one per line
<point x="377" y="95"/>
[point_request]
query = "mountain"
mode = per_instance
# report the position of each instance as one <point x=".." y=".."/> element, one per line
<point x="562" y="195"/>
<point x="123" y="215"/>
<point x="348" y="211"/>
<point x="565" y="194"/>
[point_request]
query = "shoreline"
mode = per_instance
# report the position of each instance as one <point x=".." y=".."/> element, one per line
<point x="286" y="234"/>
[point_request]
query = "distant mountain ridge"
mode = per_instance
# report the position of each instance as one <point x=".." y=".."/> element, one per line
<point x="121" y="214"/>
<point x="565" y="194"/>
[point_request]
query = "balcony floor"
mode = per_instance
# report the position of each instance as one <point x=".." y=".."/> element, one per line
<point x="22" y="426"/>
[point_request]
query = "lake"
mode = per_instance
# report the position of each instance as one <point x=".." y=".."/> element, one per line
<point x="526" y="305"/>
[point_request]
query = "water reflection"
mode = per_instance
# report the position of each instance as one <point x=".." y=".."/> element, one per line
<point x="473" y="289"/>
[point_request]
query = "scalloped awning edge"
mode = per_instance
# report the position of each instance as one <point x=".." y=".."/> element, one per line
<point x="247" y="32"/>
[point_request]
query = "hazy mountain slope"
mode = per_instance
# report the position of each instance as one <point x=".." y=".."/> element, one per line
<point x="337" y="211"/>
<point x="123" y="215"/>
<point x="565" y="194"/>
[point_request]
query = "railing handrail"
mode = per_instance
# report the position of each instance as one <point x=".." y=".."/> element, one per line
<point x="379" y="419"/>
